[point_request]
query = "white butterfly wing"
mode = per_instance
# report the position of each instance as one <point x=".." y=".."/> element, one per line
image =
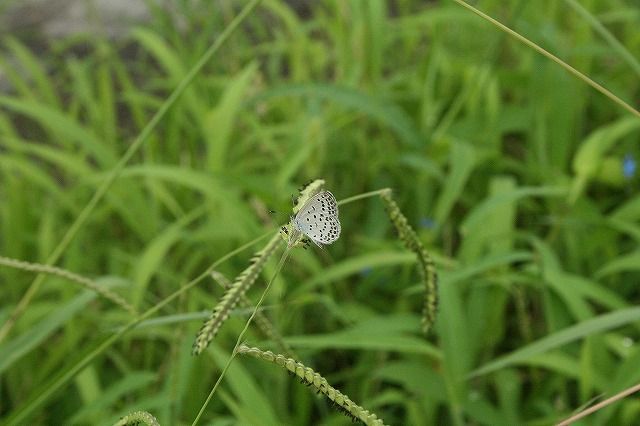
<point x="318" y="219"/>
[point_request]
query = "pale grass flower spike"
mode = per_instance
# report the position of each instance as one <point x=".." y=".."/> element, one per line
<point x="317" y="219"/>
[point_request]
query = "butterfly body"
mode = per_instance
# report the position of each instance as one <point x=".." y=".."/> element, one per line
<point x="318" y="220"/>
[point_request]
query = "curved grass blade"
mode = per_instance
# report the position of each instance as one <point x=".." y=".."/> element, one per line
<point x="585" y="328"/>
<point x="15" y="349"/>
<point x="384" y="111"/>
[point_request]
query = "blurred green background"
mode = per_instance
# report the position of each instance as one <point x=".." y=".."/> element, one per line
<point x="520" y="179"/>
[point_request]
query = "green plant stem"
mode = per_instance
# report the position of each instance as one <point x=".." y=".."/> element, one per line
<point x="21" y="415"/>
<point x="241" y="336"/>
<point x="600" y="405"/>
<point x="263" y="323"/>
<point x="115" y="172"/>
<point x="361" y="196"/>
<point x="551" y="56"/>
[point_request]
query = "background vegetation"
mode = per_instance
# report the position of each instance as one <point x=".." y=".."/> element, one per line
<point x="519" y="178"/>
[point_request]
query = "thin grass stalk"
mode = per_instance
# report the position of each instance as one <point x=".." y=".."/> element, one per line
<point x="115" y="172"/>
<point x="137" y="418"/>
<point x="263" y="323"/>
<point x="241" y="284"/>
<point x="310" y="378"/>
<point x="284" y="257"/>
<point x="19" y="416"/>
<point x="600" y="405"/>
<point x="551" y="56"/>
<point x="427" y="270"/>
<point x="362" y="196"/>
<point x="71" y="276"/>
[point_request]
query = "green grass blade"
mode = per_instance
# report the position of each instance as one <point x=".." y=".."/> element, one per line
<point x="154" y="254"/>
<point x="92" y="412"/>
<point x="623" y="263"/>
<point x="463" y="159"/>
<point x="599" y="324"/>
<point x="219" y="122"/>
<point x="15" y="349"/>
<point x="46" y="390"/>
<point x="64" y="127"/>
<point x="385" y="112"/>
<point x="484" y="209"/>
<point x="115" y="172"/>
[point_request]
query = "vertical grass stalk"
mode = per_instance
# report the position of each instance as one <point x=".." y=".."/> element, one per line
<point x="285" y="254"/>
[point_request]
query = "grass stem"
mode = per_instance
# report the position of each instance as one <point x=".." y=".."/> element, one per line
<point x="285" y="254"/>
<point x="551" y="56"/>
<point x="600" y="405"/>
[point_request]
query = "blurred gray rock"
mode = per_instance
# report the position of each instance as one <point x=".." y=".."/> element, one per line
<point x="60" y="18"/>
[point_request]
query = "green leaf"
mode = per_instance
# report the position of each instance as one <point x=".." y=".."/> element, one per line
<point x="382" y="110"/>
<point x="255" y="403"/>
<point x="35" y="335"/>
<point x="589" y="157"/>
<point x="353" y="266"/>
<point x="126" y="385"/>
<point x="219" y="122"/>
<point x="485" y="209"/>
<point x="382" y="334"/>
<point x="154" y="255"/>
<point x="601" y="323"/>
<point x="64" y="127"/>
<point x="462" y="161"/>
<point x="628" y="262"/>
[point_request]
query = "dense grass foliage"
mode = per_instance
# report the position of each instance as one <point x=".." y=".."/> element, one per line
<point x="519" y="179"/>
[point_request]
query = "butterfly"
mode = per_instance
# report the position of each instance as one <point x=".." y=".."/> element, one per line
<point x="317" y="219"/>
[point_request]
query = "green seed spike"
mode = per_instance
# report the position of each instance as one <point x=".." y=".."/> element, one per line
<point x="311" y="378"/>
<point x="138" y="418"/>
<point x="242" y="283"/>
<point x="427" y="269"/>
<point x="260" y="319"/>
<point x="71" y="276"/>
